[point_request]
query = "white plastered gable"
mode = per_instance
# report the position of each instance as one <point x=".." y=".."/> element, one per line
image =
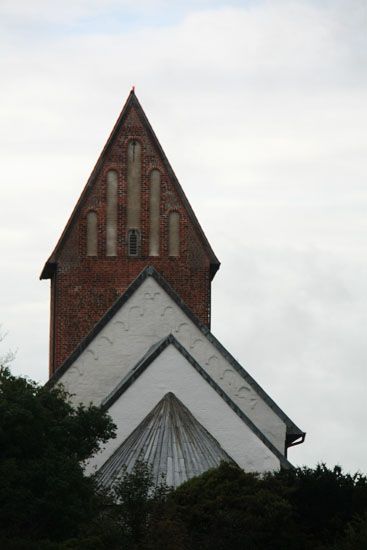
<point x="170" y="371"/>
<point x="149" y="315"/>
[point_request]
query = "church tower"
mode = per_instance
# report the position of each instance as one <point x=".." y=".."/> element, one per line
<point x="131" y="213"/>
<point x="130" y="324"/>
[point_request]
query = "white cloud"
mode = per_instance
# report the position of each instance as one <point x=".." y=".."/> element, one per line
<point x="261" y="110"/>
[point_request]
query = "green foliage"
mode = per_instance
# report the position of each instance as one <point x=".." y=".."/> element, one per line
<point x="47" y="503"/>
<point x="296" y="509"/>
<point x="233" y="510"/>
<point x="137" y="501"/>
<point x="324" y="500"/>
<point x="7" y="357"/>
<point x="44" y="495"/>
<point x="355" y="536"/>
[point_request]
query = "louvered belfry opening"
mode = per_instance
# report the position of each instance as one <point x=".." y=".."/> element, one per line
<point x="133" y="242"/>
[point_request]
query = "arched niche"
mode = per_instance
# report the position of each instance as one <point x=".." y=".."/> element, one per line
<point x="174" y="234"/>
<point x="133" y="184"/>
<point x="154" y="207"/>
<point x="92" y="233"/>
<point x="111" y="213"/>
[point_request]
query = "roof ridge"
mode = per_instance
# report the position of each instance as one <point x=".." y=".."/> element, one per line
<point x="292" y="429"/>
<point x="148" y="358"/>
<point x="184" y="440"/>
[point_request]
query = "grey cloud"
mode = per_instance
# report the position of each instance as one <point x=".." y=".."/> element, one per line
<point x="261" y="110"/>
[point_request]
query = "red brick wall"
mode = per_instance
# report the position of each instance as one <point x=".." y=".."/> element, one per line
<point x="83" y="288"/>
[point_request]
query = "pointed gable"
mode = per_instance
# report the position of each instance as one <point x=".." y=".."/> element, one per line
<point x="168" y="367"/>
<point x="130" y="323"/>
<point x="132" y="212"/>
<point x="145" y="314"/>
<point x="132" y="121"/>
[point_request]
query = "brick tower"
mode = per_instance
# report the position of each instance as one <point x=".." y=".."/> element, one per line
<point x="130" y="315"/>
<point x="132" y="213"/>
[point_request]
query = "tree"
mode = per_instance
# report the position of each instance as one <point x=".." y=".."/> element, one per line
<point x="47" y="503"/>
<point x="226" y="508"/>
<point x="303" y="508"/>
<point x="325" y="500"/>
<point x="141" y="513"/>
<point x="7" y="357"/>
<point x="355" y="535"/>
<point x="44" y="440"/>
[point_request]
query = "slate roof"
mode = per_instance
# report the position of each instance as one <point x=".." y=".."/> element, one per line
<point x="132" y="101"/>
<point x="293" y="432"/>
<point x="171" y="441"/>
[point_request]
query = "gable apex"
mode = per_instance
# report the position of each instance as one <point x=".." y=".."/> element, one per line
<point x="293" y="432"/>
<point x="149" y="359"/>
<point x="131" y="102"/>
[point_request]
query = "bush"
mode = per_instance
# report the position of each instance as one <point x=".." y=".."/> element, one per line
<point x="44" y="494"/>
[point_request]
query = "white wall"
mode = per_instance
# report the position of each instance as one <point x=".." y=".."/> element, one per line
<point x="149" y="315"/>
<point x="170" y="371"/>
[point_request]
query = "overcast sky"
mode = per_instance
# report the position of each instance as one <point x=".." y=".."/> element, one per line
<point x="261" y="109"/>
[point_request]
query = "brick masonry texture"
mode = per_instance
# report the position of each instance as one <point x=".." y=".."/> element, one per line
<point x="83" y="288"/>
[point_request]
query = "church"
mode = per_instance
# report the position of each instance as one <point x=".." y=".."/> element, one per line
<point x="130" y="324"/>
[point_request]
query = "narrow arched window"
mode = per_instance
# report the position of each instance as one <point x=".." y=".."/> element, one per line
<point x="133" y="242"/>
<point x="133" y="184"/>
<point x="174" y="234"/>
<point x="111" y="214"/>
<point x="92" y="234"/>
<point x="154" y="201"/>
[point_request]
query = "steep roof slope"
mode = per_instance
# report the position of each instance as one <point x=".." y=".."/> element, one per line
<point x="172" y="441"/>
<point x="168" y="367"/>
<point x="293" y="432"/>
<point x="132" y="101"/>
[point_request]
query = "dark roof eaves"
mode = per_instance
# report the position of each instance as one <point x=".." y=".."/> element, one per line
<point x="100" y="325"/>
<point x="135" y="372"/>
<point x="147" y="360"/>
<point x="292" y="428"/>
